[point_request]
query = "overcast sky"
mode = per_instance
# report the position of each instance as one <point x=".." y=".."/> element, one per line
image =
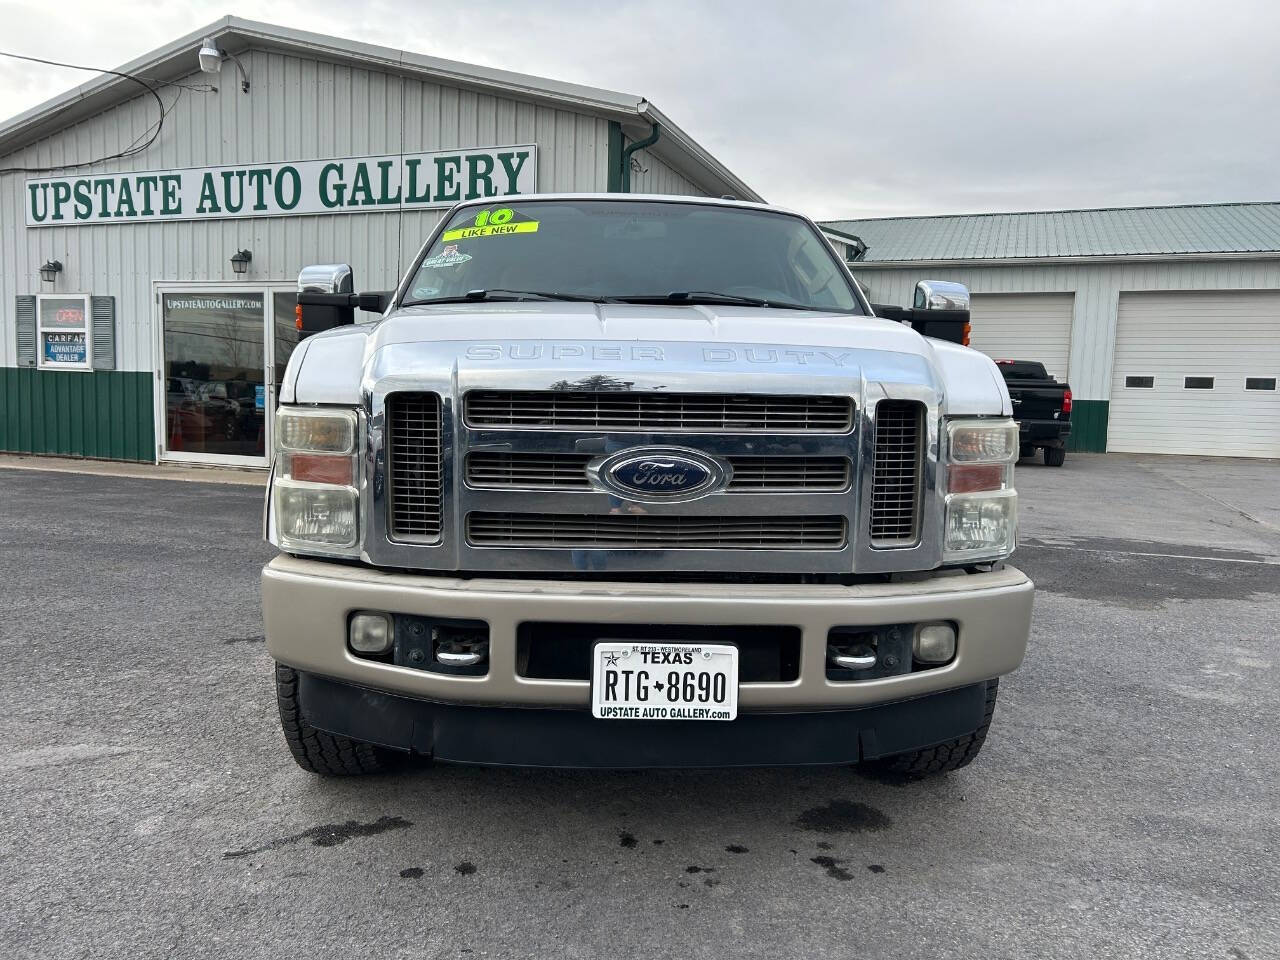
<point x="839" y="109"/>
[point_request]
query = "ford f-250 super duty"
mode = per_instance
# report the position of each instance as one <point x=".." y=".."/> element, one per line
<point x="631" y="481"/>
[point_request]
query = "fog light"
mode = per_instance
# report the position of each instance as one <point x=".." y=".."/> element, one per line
<point x="935" y="643"/>
<point x="371" y="633"/>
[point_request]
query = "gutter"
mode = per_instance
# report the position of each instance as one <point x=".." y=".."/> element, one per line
<point x="624" y="174"/>
<point x="1068" y="261"/>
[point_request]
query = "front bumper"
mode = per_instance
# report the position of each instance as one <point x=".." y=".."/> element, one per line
<point x="307" y="603"/>
<point x="506" y="736"/>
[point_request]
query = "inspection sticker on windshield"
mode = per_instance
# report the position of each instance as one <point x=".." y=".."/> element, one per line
<point x="631" y="680"/>
<point x="447" y="257"/>
<point x="492" y="223"/>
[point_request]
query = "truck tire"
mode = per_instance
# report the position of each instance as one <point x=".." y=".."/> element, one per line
<point x="323" y="753"/>
<point x="1054" y="456"/>
<point x="944" y="757"/>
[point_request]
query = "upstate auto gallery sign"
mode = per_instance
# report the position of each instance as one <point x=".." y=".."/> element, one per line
<point x="351" y="185"/>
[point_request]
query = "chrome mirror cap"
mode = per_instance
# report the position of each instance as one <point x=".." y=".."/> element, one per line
<point x="326" y="278"/>
<point x="941" y="295"/>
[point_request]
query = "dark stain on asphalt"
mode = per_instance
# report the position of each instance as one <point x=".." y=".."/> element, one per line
<point x="693" y="868"/>
<point x="832" y="866"/>
<point x="254" y="639"/>
<point x="875" y="868"/>
<point x="735" y="848"/>
<point x="823" y="845"/>
<point x="466" y="868"/>
<point x="411" y="873"/>
<point x="657" y="843"/>
<point x="682" y="906"/>
<point x="843" y="816"/>
<point x="627" y="840"/>
<point x="1116" y="571"/>
<point x="710" y="882"/>
<point x="327" y="835"/>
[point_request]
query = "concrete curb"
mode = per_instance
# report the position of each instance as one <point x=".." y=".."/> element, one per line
<point x="249" y="477"/>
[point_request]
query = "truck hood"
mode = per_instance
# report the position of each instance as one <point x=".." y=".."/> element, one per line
<point x="338" y="365"/>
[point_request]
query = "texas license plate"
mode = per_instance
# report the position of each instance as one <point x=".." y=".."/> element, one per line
<point x="664" y="681"/>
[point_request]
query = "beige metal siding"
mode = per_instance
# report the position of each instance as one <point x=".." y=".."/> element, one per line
<point x="1025" y="326"/>
<point x="655" y="176"/>
<point x="1170" y="336"/>
<point x="298" y="109"/>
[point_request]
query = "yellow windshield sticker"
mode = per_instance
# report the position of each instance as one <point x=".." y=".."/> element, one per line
<point x="491" y="223"/>
<point x="493" y="230"/>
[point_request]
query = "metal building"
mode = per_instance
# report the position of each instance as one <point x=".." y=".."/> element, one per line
<point x="1166" y="320"/>
<point x="147" y="300"/>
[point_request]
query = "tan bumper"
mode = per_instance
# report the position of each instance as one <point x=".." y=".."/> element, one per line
<point x="306" y="604"/>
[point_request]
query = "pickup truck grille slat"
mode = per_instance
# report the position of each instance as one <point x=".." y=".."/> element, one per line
<point x="647" y="532"/>
<point x="895" y="484"/>
<point x="667" y="412"/>
<point x="568" y="471"/>
<point x="415" y="466"/>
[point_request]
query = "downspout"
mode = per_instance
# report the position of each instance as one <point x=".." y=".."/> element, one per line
<point x="649" y="141"/>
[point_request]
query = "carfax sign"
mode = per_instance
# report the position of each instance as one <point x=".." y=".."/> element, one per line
<point x="352" y="185"/>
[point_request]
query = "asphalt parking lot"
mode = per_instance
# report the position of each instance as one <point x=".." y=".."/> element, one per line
<point x="1125" y="804"/>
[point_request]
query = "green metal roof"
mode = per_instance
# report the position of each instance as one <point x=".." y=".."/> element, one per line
<point x="1116" y="232"/>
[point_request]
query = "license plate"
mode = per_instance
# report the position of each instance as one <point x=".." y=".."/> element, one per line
<point x="664" y="681"/>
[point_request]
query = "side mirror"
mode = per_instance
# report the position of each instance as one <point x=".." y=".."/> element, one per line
<point x="941" y="295"/>
<point x="940" y="310"/>
<point x="326" y="298"/>
<point x="329" y="278"/>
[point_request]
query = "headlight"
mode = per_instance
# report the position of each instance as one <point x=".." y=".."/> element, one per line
<point x="317" y="502"/>
<point x="981" y="504"/>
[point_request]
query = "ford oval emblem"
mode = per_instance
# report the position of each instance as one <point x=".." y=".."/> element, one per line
<point x="664" y="474"/>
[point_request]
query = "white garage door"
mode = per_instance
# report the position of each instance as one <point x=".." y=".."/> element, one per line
<point x="1196" y="373"/>
<point x="1024" y="326"/>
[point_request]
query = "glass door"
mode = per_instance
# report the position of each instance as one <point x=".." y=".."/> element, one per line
<point x="223" y="355"/>
<point x="214" y="375"/>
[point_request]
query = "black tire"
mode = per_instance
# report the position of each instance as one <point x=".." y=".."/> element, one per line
<point x="324" y="753"/>
<point x="1055" y="456"/>
<point x="1026" y="451"/>
<point x="944" y="757"/>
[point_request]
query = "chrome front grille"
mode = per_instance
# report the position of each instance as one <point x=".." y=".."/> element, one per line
<point x="646" y="532"/>
<point x="568" y="471"/>
<point x="657" y="411"/>
<point x="414" y="466"/>
<point x="895" y="483"/>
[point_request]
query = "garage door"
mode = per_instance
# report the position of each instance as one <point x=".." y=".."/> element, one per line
<point x="1196" y="373"/>
<point x="1024" y="326"/>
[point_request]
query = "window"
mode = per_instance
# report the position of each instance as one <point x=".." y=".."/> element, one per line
<point x="1198" y="383"/>
<point x="1259" y="383"/>
<point x="64" y="339"/>
<point x="1144" y="382"/>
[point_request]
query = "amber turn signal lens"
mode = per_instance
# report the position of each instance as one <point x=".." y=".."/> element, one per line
<point x="320" y="468"/>
<point x="975" y="477"/>
<point x="297" y="316"/>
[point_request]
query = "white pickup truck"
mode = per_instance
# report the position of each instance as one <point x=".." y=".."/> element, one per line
<point x="627" y="481"/>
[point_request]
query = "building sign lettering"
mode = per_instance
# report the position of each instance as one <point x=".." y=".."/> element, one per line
<point x="352" y="185"/>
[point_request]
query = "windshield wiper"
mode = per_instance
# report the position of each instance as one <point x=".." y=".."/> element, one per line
<point x="500" y="294"/>
<point x="709" y="296"/>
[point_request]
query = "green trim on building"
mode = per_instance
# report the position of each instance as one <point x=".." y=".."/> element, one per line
<point x="1089" y="426"/>
<point x="615" y="156"/>
<point x="104" y="414"/>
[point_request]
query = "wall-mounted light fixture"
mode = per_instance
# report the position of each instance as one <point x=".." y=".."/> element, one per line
<point x="211" y="62"/>
<point x="240" y="261"/>
<point x="49" y="272"/>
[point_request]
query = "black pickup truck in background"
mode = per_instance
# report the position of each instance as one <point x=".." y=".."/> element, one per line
<point x="1042" y="407"/>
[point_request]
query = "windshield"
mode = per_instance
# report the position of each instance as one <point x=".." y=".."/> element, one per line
<point x="632" y="251"/>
